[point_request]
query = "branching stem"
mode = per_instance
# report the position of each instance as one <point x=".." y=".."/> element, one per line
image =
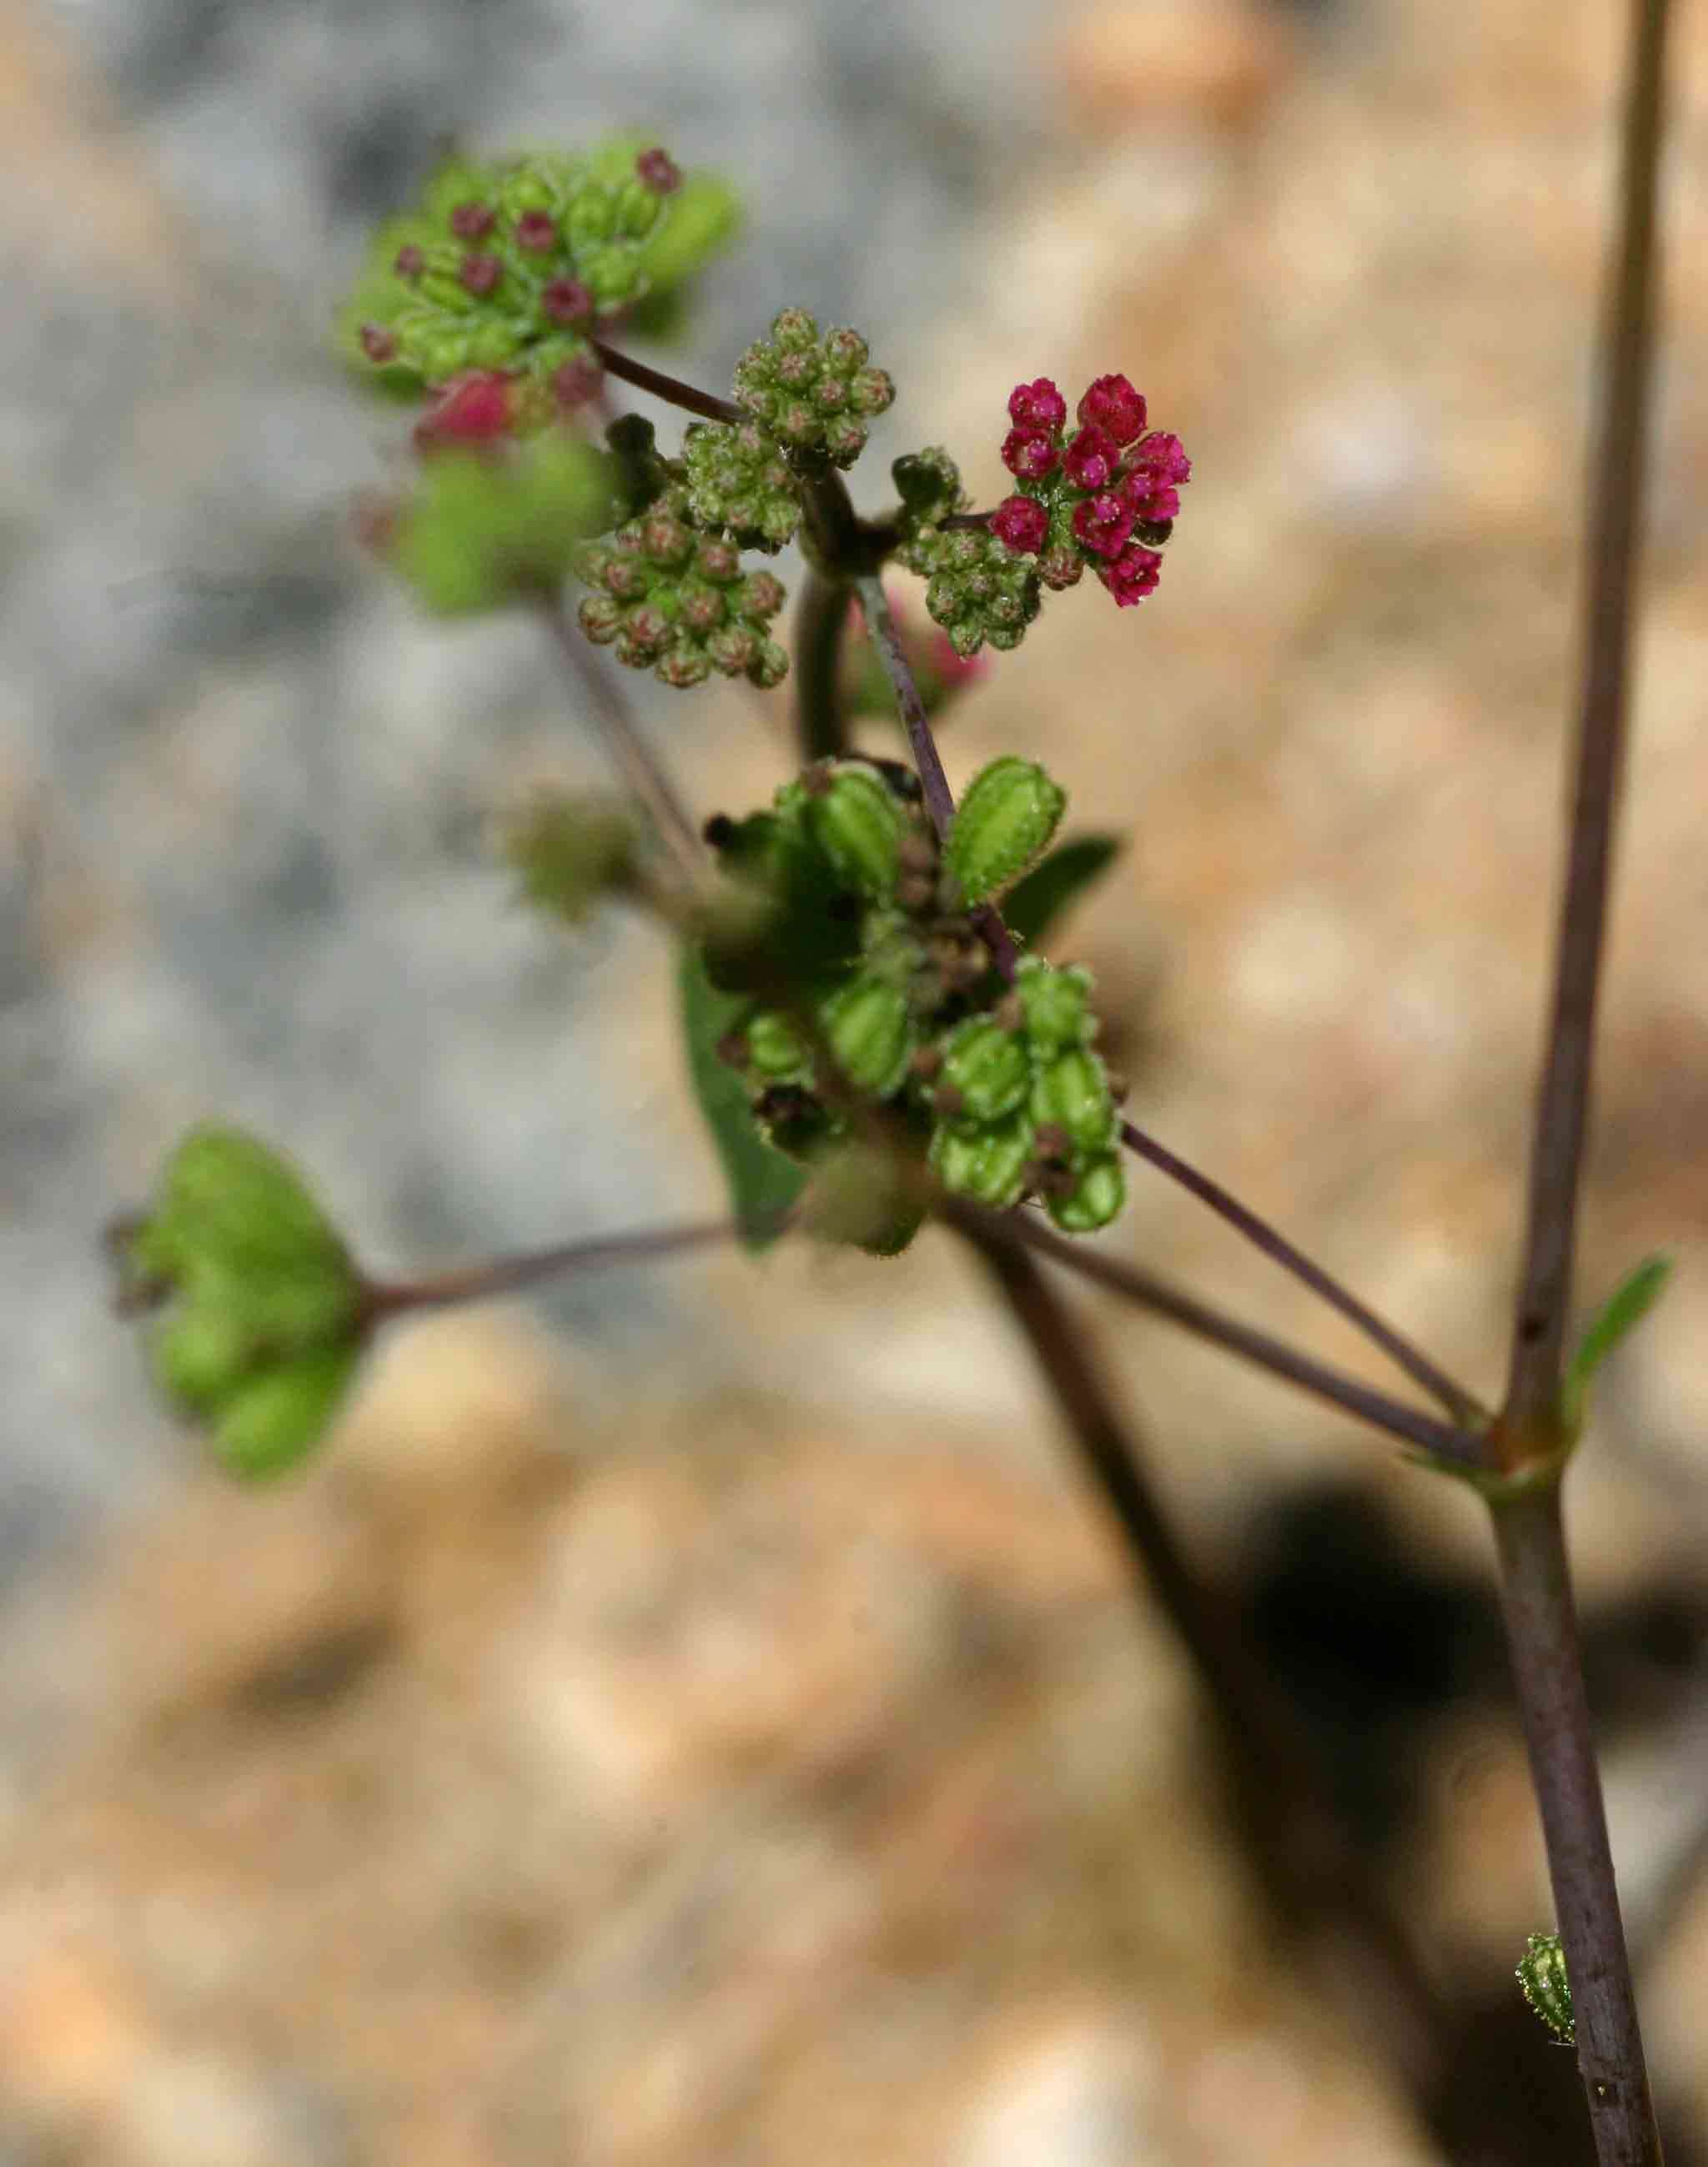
<point x="1136" y="1285"/>
<point x="688" y="396"/>
<point x="1275" y="1245"/>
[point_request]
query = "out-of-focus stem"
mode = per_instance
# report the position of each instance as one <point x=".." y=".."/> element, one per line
<point x="821" y="619"/>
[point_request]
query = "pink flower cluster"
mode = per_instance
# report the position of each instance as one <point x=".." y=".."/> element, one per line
<point x="1107" y="491"/>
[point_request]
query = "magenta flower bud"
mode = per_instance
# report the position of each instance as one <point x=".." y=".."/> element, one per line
<point x="1164" y="455"/>
<point x="658" y="171"/>
<point x="1091" y="460"/>
<point x="1022" y="525"/>
<point x="568" y="301"/>
<point x="1113" y="405"/>
<point x="1132" y="576"/>
<point x="1028" y="453"/>
<point x="578" y="381"/>
<point x="473" y="409"/>
<point x="378" y="344"/>
<point x="1102" y="523"/>
<point x="537" y="230"/>
<point x="1038" y="405"/>
<point x="409" y="263"/>
<point x="480" y="273"/>
<point x="1149" y="498"/>
<point x="471" y="221"/>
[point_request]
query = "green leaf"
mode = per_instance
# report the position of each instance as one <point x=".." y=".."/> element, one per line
<point x="700" y="220"/>
<point x="1629" y="1302"/>
<point x="261" y="1307"/>
<point x="480" y="534"/>
<point x="1034" y="903"/>
<point x="762" y="1184"/>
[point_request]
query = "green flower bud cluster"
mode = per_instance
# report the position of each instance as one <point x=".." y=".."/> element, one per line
<point x="1002" y="1088"/>
<point x="511" y="266"/>
<point x="265" y="1322"/>
<point x="1025" y="1106"/>
<point x="976" y="590"/>
<point x="739" y="482"/>
<point x="674" y="601"/>
<point x="815" y="395"/>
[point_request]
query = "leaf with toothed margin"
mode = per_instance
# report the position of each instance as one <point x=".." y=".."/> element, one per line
<point x="1625" y="1308"/>
<point x="764" y="1185"/>
<point x="1033" y="905"/>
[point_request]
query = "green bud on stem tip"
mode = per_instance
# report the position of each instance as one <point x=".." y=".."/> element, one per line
<point x="1009" y="813"/>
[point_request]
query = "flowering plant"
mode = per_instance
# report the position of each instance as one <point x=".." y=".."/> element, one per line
<point x="873" y="1029"/>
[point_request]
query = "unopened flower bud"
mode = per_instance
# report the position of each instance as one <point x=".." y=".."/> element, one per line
<point x="1038" y="405"/>
<point x="1021" y="524"/>
<point x="1111" y="404"/>
<point x="658" y="172"/>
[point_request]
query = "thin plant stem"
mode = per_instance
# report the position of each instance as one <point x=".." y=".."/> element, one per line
<point x="1441" y="1440"/>
<point x="688" y="396"/>
<point x="880" y="625"/>
<point x="1616" y="489"/>
<point x="1541" y="1631"/>
<point x="1416" y="1364"/>
<point x="385" y="1299"/>
<point x="626" y="748"/>
<point x="1542" y="1626"/>
<point x="820" y="621"/>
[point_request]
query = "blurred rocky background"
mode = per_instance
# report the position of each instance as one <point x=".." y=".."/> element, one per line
<point x="698" y="1717"/>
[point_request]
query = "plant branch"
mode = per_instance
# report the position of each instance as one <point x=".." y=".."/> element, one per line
<point x="688" y="396"/>
<point x="880" y="625"/>
<point x="385" y="1299"/>
<point x="939" y="799"/>
<point x="1440" y="1439"/>
<point x="1311" y="1870"/>
<point x="1541" y="1631"/>
<point x="821" y="620"/>
<point x="627" y="750"/>
<point x="1616" y="478"/>
<point x="1458" y="1402"/>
